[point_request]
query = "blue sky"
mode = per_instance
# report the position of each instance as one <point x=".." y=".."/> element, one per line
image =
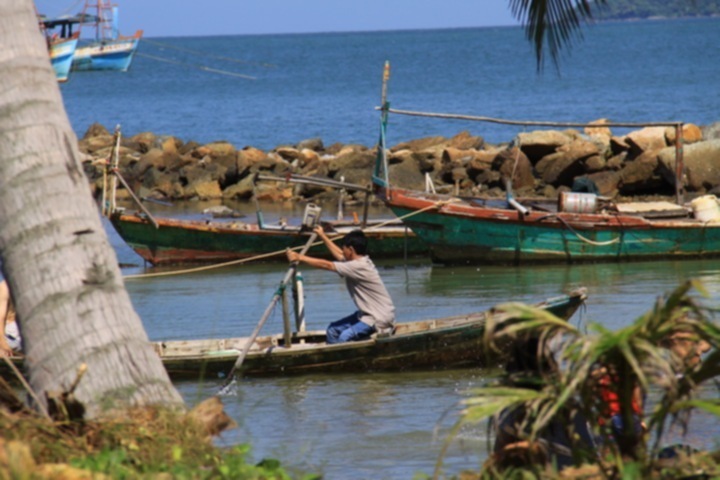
<point x="160" y="18"/>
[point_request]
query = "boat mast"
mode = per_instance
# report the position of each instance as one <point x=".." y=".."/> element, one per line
<point x="102" y="18"/>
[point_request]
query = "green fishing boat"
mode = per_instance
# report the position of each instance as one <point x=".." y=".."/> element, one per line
<point x="577" y="227"/>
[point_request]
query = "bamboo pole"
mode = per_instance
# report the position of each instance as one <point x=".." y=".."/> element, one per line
<point x="115" y="160"/>
<point x="679" y="163"/>
<point x="117" y="175"/>
<point x="322" y="182"/>
<point x="530" y="123"/>
<point x="266" y="314"/>
<point x="287" y="329"/>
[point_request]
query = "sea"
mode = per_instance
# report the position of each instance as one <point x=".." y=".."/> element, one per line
<point x="270" y="90"/>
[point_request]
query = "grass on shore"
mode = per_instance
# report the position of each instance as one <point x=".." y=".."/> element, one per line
<point x="144" y="443"/>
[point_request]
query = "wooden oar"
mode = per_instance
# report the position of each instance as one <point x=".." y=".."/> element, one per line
<point x="278" y="294"/>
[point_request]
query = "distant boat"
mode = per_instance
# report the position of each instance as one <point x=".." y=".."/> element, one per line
<point x="61" y="43"/>
<point x="108" y="50"/>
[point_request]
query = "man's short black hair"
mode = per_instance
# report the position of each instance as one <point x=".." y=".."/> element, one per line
<point x="357" y="240"/>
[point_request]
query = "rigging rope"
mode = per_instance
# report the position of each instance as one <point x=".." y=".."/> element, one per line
<point x="207" y="55"/>
<point x="199" y="67"/>
<point x="577" y="234"/>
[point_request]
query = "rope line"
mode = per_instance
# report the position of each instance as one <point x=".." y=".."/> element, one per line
<point x="577" y="234"/>
<point x="199" y="67"/>
<point x="207" y="55"/>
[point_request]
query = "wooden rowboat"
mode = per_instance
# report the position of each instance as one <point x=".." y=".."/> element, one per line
<point x="443" y="343"/>
<point x="436" y="344"/>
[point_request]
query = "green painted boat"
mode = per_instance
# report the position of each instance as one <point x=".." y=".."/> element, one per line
<point x="468" y="231"/>
<point x="577" y="227"/>
<point x="435" y="344"/>
<point x="175" y="241"/>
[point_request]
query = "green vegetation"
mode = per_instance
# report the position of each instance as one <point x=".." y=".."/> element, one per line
<point x="645" y="9"/>
<point x="145" y="443"/>
<point x="665" y="355"/>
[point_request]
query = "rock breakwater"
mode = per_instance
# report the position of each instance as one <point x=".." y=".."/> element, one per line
<point x="539" y="163"/>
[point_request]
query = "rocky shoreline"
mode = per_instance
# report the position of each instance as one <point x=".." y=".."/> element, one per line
<point x="540" y="163"/>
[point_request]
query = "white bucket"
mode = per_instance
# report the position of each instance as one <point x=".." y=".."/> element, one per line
<point x="706" y="208"/>
<point x="577" y="202"/>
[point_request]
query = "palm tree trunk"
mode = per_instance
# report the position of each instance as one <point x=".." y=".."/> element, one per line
<point x="67" y="287"/>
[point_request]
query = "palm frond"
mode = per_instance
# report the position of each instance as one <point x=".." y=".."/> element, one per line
<point x="551" y="22"/>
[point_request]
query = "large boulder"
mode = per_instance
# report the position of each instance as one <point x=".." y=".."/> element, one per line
<point x="641" y="175"/>
<point x="691" y="133"/>
<point x="216" y="149"/>
<point x="421" y="143"/>
<point x="407" y="174"/>
<point x="95" y="143"/>
<point x="465" y="141"/>
<point x="513" y="164"/>
<point x="702" y="165"/>
<point x="96" y="130"/>
<point x="599" y="129"/>
<point x="241" y="190"/>
<point x="273" y="192"/>
<point x="482" y="161"/>
<point x="201" y="183"/>
<point x="146" y="140"/>
<point x="607" y="182"/>
<point x="430" y="159"/>
<point x="540" y="143"/>
<point x="568" y="162"/>
<point x="352" y="158"/>
<point x="162" y="185"/>
<point x="711" y="132"/>
<point x="157" y="159"/>
<point x="457" y="156"/>
<point x="646" y="139"/>
<point x="315" y="144"/>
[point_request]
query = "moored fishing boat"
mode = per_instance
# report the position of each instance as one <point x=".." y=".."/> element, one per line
<point x="164" y="241"/>
<point x="108" y="50"/>
<point x="577" y="227"/>
<point x="175" y="241"/>
<point x="61" y="43"/>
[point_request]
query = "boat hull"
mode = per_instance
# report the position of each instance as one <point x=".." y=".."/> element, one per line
<point x="457" y="231"/>
<point x="187" y="241"/>
<point x="447" y="343"/>
<point x="61" y="57"/>
<point x="115" y="55"/>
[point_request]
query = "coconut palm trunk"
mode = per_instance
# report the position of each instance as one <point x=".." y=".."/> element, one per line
<point x="68" y="290"/>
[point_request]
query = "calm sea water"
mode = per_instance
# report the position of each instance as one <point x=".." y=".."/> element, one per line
<point x="326" y="85"/>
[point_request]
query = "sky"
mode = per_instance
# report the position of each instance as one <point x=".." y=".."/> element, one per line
<point x="170" y="18"/>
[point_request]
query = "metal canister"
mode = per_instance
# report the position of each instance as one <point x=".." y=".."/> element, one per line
<point x="572" y="202"/>
<point x="311" y="216"/>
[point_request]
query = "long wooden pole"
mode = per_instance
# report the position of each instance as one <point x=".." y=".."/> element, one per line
<point x="268" y="311"/>
<point x="134" y="197"/>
